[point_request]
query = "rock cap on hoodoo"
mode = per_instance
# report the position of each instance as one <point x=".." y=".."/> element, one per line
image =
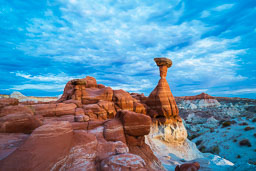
<point x="163" y="62"/>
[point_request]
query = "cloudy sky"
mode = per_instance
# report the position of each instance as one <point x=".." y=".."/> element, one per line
<point x="45" y="43"/>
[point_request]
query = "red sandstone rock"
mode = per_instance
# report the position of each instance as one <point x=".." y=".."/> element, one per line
<point x="69" y="118"/>
<point x="144" y="151"/>
<point x="135" y="141"/>
<point x="109" y="107"/>
<point x="65" y="109"/>
<point x="19" y="123"/>
<point x="200" y="96"/>
<point x="123" y="100"/>
<point x="8" y="101"/>
<point x="113" y="131"/>
<point x="80" y="125"/>
<point x="77" y="102"/>
<point x="161" y="99"/>
<point x="10" y="142"/>
<point x="81" y="118"/>
<point x="17" y="109"/>
<point x="93" y="95"/>
<point x="44" y="109"/>
<point x="188" y="167"/>
<point x="79" y="111"/>
<point x="83" y="153"/>
<point x="73" y="89"/>
<point x="101" y="86"/>
<point x="135" y="124"/>
<point x="139" y="108"/>
<point x="124" y="162"/>
<point x="46" y="146"/>
<point x="95" y="111"/>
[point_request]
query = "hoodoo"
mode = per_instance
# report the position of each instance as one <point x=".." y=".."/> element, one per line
<point x="168" y="134"/>
<point x="161" y="100"/>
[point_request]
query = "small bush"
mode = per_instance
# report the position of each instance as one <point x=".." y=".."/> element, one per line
<point x="215" y="150"/>
<point x="254" y="134"/>
<point x="211" y="130"/>
<point x="244" y="123"/>
<point x="199" y="142"/>
<point x="235" y="140"/>
<point x="245" y="142"/>
<point x="202" y="149"/>
<point x="238" y="156"/>
<point x="226" y="124"/>
<point x="248" y="128"/>
<point x="254" y="120"/>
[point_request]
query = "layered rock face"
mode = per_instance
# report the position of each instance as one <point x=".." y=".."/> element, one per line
<point x="98" y="101"/>
<point x="200" y="101"/>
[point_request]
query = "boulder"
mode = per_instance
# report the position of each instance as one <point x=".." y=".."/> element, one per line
<point x="19" y="123"/>
<point x="113" y="131"/>
<point x="124" y="162"/>
<point x="188" y="166"/>
<point x="135" y="124"/>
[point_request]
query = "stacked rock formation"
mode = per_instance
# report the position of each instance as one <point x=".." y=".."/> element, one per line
<point x="161" y="99"/>
<point x="98" y="101"/>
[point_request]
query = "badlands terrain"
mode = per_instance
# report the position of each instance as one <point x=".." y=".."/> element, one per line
<point x="93" y="127"/>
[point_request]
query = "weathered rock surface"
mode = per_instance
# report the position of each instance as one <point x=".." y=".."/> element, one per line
<point x="17" y="109"/>
<point x="8" y="102"/>
<point x="42" y="150"/>
<point x="113" y="131"/>
<point x="124" y="162"/>
<point x="19" y="123"/>
<point x="135" y="124"/>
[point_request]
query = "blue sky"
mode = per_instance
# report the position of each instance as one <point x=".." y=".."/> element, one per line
<point x="45" y="43"/>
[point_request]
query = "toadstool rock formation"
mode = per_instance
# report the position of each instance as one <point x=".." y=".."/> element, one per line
<point x="168" y="134"/>
<point x="161" y="99"/>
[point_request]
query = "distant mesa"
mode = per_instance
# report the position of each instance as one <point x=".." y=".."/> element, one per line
<point x="200" y="96"/>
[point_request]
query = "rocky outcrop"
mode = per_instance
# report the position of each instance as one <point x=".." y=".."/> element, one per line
<point x="99" y="102"/>
<point x="202" y="100"/>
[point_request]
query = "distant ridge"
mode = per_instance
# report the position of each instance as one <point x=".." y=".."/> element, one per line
<point x="200" y="96"/>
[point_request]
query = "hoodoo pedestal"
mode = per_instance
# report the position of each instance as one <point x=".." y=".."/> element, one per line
<point x="163" y="109"/>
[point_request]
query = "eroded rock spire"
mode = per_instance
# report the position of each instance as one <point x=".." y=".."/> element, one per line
<point x="161" y="99"/>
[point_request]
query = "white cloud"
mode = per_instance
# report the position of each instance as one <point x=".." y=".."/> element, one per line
<point x="223" y="7"/>
<point x="239" y="91"/>
<point x="45" y="87"/>
<point x="60" y="78"/>
<point x="205" y="14"/>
